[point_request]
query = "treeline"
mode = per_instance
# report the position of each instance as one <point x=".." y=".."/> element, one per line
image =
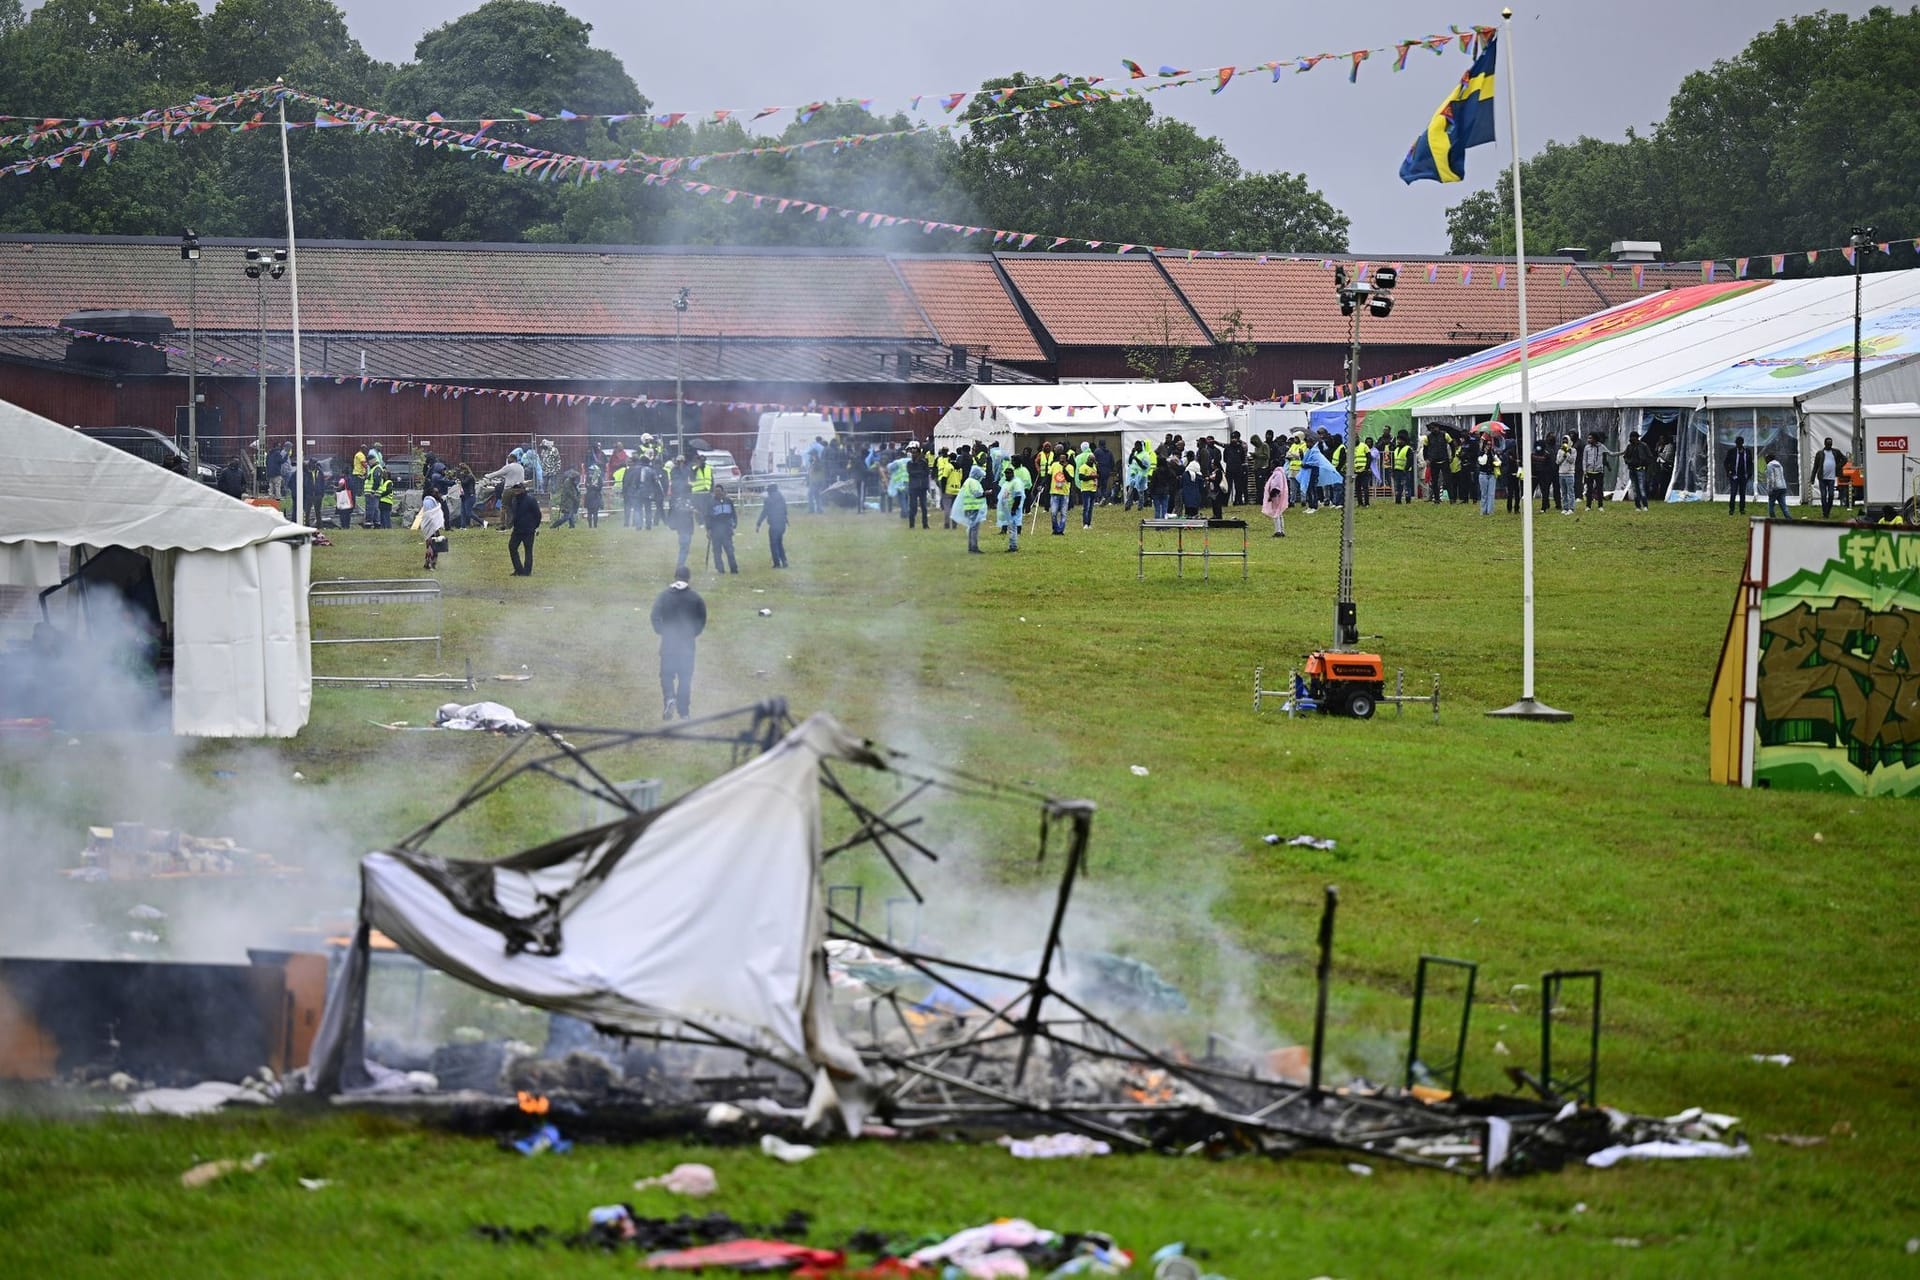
<point x="1811" y="130"/>
<point x="1113" y="171"/>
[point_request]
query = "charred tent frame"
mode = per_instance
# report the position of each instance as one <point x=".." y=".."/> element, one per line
<point x="1070" y="1067"/>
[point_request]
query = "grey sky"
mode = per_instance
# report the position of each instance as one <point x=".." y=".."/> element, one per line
<point x="1584" y="68"/>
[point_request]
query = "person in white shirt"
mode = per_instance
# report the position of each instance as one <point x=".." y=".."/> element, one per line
<point x="1776" y="477"/>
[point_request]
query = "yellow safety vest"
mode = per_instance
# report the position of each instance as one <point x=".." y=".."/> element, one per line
<point x="702" y="479"/>
<point x="1089" y="476"/>
<point x="1060" y="483"/>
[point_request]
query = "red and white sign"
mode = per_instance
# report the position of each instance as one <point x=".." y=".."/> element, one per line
<point x="1890" y="444"/>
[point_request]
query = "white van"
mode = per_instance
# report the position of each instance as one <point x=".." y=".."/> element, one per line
<point x="784" y="438"/>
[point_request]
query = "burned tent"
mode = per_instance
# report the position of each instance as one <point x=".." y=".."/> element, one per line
<point x="705" y="918"/>
<point x="211" y="590"/>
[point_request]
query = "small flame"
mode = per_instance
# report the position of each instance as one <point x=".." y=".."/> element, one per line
<point x="534" y="1104"/>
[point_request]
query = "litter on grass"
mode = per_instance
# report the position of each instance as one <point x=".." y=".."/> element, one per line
<point x="1055" y="1146"/>
<point x="1139" y="770"/>
<point x="695" y="1180"/>
<point x="789" y="1152"/>
<point x="544" y="1139"/>
<point x="487" y="717"/>
<point x="1773" y="1059"/>
<point x="1313" y="842"/>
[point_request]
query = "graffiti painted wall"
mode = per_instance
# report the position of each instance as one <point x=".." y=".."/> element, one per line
<point x="1838" y="694"/>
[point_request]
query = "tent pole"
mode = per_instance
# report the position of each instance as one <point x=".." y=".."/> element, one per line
<point x="293" y="286"/>
<point x="1527" y="708"/>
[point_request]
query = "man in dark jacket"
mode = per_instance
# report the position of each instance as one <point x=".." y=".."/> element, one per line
<point x="773" y="514"/>
<point x="525" y="523"/>
<point x="1638" y="457"/>
<point x="1739" y="475"/>
<point x="918" y="470"/>
<point x="1236" y="465"/>
<point x="679" y="616"/>
<point x="721" y="522"/>
<point x="1828" y="464"/>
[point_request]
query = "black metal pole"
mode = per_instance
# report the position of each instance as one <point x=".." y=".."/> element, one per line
<point x="1322" y="973"/>
<point x="1082" y="814"/>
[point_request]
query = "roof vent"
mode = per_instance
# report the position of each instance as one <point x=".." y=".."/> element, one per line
<point x="116" y="341"/>
<point x="957" y="359"/>
<point x="1635" y="250"/>
<point x="1578" y="252"/>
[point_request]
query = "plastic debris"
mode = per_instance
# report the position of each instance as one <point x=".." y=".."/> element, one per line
<point x="489" y="717"/>
<point x="545" y="1138"/>
<point x="1797" y="1139"/>
<point x="1775" y="1059"/>
<point x="214" y="1170"/>
<point x="721" y="1114"/>
<point x="695" y="1180"/>
<point x="790" y="1152"/>
<point x="1271" y="838"/>
<point x="746" y="1255"/>
<point x="1056" y="1146"/>
<point x="316" y="1184"/>
<point x="1359" y="1170"/>
<point x="1139" y="770"/>
<point x="1673" y="1149"/>
<point x="766" y="613"/>
<point x="1313" y="842"/>
<point x="145" y="912"/>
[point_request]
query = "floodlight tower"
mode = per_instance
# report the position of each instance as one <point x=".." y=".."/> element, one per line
<point x="680" y="302"/>
<point x="262" y="265"/>
<point x="1861" y="240"/>
<point x="190" y="254"/>
<point x="1375" y="298"/>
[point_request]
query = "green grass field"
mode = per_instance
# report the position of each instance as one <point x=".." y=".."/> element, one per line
<point x="1727" y="923"/>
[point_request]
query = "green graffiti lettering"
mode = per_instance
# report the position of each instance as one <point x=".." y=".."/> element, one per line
<point x="1855" y="669"/>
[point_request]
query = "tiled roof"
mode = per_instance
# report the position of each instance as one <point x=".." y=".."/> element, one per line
<point x="453" y="288"/>
<point x="1293" y="302"/>
<point x="1103" y="301"/>
<point x="475" y="357"/>
<point x="970" y="307"/>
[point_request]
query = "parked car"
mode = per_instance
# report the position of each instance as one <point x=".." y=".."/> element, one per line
<point x="144" y="442"/>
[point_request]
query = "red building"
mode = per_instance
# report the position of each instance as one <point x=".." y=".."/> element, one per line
<point x="469" y="349"/>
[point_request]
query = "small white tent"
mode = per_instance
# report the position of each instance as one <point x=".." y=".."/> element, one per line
<point x="231" y="579"/>
<point x="1007" y="415"/>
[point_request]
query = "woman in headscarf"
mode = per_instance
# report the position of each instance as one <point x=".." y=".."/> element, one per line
<point x="433" y="519"/>
<point x="1013" y="502"/>
<point x="1274" y="502"/>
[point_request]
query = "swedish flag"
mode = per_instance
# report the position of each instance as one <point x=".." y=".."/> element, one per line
<point x="1464" y="120"/>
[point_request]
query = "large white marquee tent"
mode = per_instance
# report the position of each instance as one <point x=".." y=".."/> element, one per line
<point x="1690" y="369"/>
<point x="1122" y="412"/>
<point x="230" y="579"/>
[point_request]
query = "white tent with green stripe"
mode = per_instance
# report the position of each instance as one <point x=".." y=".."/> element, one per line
<point x="1770" y="362"/>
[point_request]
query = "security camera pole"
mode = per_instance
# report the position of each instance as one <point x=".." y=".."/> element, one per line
<point x="262" y="264"/>
<point x="190" y="254"/>
<point x="1377" y="298"/>
<point x="1861" y="240"/>
<point x="679" y="427"/>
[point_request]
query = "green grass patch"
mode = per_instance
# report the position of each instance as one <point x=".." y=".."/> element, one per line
<point x="1724" y="927"/>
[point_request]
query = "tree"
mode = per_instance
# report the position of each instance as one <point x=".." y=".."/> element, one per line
<point x="1813" y="128"/>
<point x="1257" y="212"/>
<point x="503" y="55"/>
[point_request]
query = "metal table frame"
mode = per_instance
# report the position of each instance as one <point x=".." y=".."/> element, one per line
<point x="1180" y="526"/>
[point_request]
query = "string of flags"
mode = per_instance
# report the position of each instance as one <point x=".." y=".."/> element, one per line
<point x="455" y="391"/>
<point x="948" y="102"/>
<point x="199" y="116"/>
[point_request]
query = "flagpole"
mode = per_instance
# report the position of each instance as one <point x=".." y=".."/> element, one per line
<point x="1528" y="708"/>
<point x="293" y="288"/>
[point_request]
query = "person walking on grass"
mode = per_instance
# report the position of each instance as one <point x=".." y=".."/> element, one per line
<point x="679" y="616"/>
<point x="1739" y="475"/>
<point x="590" y="494"/>
<point x="1566" y="462"/>
<point x="721" y="522"/>
<point x="1827" y="466"/>
<point x="524" y="519"/>
<point x="1274" y="500"/>
<point x="1486" y="470"/>
<point x="343" y="504"/>
<point x="1014" y="484"/>
<point x="433" y="521"/>
<point x="1776" y="478"/>
<point x="773" y="514"/>
<point x="566" y="508"/>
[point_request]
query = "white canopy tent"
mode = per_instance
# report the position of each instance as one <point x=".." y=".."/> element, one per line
<point x="707" y="916"/>
<point x="1769" y="361"/>
<point x="1123" y="412"/>
<point x="231" y="579"/>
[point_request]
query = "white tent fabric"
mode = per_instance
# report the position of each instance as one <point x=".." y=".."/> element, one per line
<point x="1765" y="360"/>
<point x="708" y="914"/>
<point x="992" y="413"/>
<point x="232" y="577"/>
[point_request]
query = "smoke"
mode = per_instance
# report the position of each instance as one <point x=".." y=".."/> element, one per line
<point x="111" y="760"/>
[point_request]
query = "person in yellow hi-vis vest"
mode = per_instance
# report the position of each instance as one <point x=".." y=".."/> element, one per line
<point x="1086" y="479"/>
<point x="1059" y="491"/>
